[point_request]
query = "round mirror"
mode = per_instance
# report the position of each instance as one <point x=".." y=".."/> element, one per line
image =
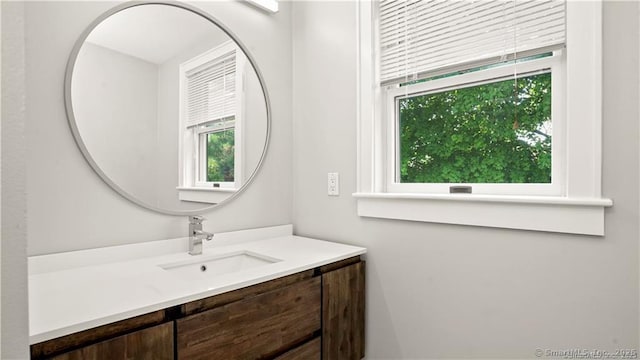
<point x="167" y="106"/>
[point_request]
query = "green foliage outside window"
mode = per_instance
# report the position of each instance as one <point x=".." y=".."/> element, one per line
<point x="490" y="133"/>
<point x="220" y="155"/>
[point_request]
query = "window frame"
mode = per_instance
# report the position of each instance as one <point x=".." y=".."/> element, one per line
<point x="192" y="148"/>
<point x="390" y="94"/>
<point x="201" y="157"/>
<point x="578" y="209"/>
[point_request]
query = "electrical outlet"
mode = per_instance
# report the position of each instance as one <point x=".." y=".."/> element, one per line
<point x="333" y="184"/>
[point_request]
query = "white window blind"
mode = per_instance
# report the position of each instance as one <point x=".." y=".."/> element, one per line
<point x="420" y="39"/>
<point x="211" y="90"/>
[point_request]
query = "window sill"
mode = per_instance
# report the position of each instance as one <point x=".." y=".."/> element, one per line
<point x="204" y="195"/>
<point x="537" y="213"/>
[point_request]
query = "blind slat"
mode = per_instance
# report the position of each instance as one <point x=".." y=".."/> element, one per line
<point x="548" y="26"/>
<point x="211" y="90"/>
<point x="491" y="16"/>
<point x="479" y="50"/>
<point x="423" y="37"/>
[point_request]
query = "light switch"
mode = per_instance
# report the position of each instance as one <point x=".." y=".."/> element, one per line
<point x="333" y="184"/>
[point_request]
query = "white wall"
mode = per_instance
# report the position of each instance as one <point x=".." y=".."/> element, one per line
<point x="255" y="128"/>
<point x="14" y="231"/>
<point x="115" y="104"/>
<point x="438" y="291"/>
<point x="69" y="207"/>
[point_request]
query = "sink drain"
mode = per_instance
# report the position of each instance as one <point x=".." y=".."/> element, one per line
<point x="203" y="267"/>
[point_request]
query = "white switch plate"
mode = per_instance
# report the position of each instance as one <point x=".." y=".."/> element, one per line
<point x="333" y="184"/>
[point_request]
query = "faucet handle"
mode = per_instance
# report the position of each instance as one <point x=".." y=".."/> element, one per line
<point x="196" y="219"/>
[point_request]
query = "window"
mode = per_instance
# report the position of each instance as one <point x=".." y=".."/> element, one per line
<point x="498" y="132"/>
<point x="479" y="98"/>
<point x="216" y="155"/>
<point x="211" y="117"/>
<point x="468" y="90"/>
<point x="490" y="129"/>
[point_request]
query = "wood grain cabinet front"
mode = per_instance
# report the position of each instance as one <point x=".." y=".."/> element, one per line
<point x="343" y="301"/>
<point x="311" y="350"/>
<point x="258" y="327"/>
<point x="155" y="343"/>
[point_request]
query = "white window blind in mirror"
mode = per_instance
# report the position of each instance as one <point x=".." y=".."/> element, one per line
<point x="421" y="39"/>
<point x="211" y="90"/>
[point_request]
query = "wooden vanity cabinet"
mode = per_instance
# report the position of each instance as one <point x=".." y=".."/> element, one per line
<point x="154" y="343"/>
<point x="258" y="327"/>
<point x="154" y="328"/>
<point x="343" y="305"/>
<point x="312" y="315"/>
<point x="311" y="350"/>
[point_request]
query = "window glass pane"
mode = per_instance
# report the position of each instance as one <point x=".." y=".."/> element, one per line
<point x="220" y="155"/>
<point x="491" y="133"/>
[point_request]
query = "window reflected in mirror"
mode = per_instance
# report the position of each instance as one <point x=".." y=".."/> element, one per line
<point x="211" y="118"/>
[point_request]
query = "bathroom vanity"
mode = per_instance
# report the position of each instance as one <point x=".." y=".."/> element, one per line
<point x="308" y="303"/>
<point x="255" y="294"/>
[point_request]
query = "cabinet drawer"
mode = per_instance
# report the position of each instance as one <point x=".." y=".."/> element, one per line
<point x="155" y="343"/>
<point x="307" y="351"/>
<point x="256" y="327"/>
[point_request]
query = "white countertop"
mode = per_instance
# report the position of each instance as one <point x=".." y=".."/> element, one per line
<point x="75" y="291"/>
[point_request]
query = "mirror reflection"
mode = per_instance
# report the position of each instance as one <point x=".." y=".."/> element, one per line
<point x="168" y="108"/>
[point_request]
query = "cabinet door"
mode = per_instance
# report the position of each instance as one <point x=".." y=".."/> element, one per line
<point x="257" y="327"/>
<point x="343" y="313"/>
<point x="155" y="343"/>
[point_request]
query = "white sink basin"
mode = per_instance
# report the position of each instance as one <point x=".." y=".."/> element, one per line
<point x="209" y="266"/>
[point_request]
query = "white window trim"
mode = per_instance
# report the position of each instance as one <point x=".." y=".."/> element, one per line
<point x="579" y="209"/>
<point x="204" y="195"/>
<point x="190" y="189"/>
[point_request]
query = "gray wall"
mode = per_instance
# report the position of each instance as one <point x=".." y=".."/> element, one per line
<point x="439" y="291"/>
<point x="14" y="327"/>
<point x="255" y="128"/>
<point x="69" y="207"/>
<point x="115" y="104"/>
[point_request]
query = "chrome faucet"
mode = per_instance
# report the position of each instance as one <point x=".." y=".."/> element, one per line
<point x="196" y="235"/>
